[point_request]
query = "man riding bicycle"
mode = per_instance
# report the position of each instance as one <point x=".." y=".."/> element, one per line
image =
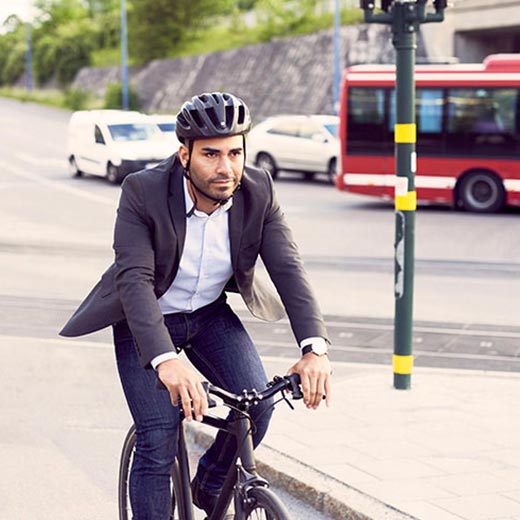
<point x="186" y="232"/>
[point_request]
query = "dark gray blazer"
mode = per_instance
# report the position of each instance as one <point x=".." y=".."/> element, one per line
<point x="148" y="242"/>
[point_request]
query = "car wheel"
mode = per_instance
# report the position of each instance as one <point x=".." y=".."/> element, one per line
<point x="266" y="162"/>
<point x="481" y="192"/>
<point x="73" y="168"/>
<point x="332" y="170"/>
<point x="113" y="175"/>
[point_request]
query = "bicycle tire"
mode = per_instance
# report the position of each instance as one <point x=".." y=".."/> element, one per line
<point x="263" y="504"/>
<point x="125" y="463"/>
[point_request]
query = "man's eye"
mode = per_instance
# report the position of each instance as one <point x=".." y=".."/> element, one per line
<point x="211" y="155"/>
<point x="236" y="153"/>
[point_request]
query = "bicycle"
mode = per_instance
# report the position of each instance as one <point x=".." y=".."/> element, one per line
<point x="251" y="495"/>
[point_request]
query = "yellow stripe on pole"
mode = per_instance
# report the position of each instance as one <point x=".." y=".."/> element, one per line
<point x="405" y="133"/>
<point x="402" y="364"/>
<point x="406" y="202"/>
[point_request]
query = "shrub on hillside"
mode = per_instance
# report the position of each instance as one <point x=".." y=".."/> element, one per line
<point x="114" y="97"/>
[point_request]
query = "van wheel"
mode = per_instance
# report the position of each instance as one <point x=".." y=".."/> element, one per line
<point x="482" y="192"/>
<point x="266" y="162"/>
<point x="74" y="171"/>
<point x="113" y="175"/>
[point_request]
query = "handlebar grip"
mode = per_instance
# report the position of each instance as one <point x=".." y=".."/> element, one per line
<point x="294" y="388"/>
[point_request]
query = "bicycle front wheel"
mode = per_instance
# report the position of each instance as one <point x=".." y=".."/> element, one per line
<point x="263" y="504"/>
<point x="125" y="464"/>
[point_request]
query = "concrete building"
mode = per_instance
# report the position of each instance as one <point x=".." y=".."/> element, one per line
<point x="473" y="29"/>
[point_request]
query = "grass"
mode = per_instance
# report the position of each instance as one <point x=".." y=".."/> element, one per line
<point x="53" y="98"/>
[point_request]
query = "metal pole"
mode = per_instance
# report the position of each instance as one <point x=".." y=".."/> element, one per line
<point x="405" y="196"/>
<point x="124" y="56"/>
<point x="405" y="17"/>
<point x="28" y="58"/>
<point x="337" y="61"/>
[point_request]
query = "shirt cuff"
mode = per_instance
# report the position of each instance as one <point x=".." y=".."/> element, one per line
<point x="317" y="340"/>
<point x="157" y="360"/>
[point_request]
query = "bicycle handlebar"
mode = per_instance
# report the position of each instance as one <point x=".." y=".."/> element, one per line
<point x="251" y="397"/>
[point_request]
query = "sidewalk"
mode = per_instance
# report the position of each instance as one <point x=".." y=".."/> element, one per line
<point x="448" y="449"/>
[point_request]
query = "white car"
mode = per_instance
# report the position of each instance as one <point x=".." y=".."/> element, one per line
<point x="167" y="124"/>
<point x="114" y="143"/>
<point x="296" y="143"/>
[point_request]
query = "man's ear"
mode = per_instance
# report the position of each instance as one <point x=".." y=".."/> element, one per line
<point x="184" y="155"/>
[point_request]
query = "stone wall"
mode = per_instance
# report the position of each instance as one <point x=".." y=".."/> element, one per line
<point x="290" y="75"/>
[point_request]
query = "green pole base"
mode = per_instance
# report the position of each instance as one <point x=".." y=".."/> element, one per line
<point x="402" y="381"/>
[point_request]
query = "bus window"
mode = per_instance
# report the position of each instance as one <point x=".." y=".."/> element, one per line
<point x="481" y="120"/>
<point x="366" y="128"/>
<point x="428" y="116"/>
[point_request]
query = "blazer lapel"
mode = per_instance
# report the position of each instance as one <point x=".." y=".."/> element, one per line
<point x="236" y="221"/>
<point x="176" y="205"/>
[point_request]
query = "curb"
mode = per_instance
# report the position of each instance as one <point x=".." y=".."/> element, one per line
<point x="320" y="491"/>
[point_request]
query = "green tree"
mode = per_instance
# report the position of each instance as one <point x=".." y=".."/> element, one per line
<point x="12" y="50"/>
<point x="63" y="40"/>
<point x="156" y="27"/>
<point x="279" y="17"/>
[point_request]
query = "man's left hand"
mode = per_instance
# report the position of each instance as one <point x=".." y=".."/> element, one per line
<point x="314" y="372"/>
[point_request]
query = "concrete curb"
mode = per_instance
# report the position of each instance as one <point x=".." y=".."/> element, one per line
<point x="322" y="492"/>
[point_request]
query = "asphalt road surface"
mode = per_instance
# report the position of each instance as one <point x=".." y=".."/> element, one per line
<point x="64" y="418"/>
<point x="55" y="241"/>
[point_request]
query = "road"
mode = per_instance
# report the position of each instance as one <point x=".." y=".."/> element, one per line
<point x="56" y="235"/>
<point x="64" y="417"/>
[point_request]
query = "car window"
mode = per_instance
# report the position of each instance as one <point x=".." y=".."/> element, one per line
<point x="133" y="132"/>
<point x="98" y="136"/>
<point x="167" y="127"/>
<point x="289" y="128"/>
<point x="332" y="128"/>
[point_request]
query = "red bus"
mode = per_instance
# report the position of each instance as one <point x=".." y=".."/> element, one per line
<point x="468" y="132"/>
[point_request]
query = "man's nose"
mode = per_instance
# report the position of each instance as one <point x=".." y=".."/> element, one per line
<point x="224" y="165"/>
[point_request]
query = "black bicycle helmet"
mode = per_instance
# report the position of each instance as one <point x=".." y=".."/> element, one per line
<point x="217" y="114"/>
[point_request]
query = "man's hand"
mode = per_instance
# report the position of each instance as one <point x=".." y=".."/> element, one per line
<point x="184" y="384"/>
<point x="314" y="372"/>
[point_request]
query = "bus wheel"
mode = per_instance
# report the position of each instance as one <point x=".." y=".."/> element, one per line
<point x="482" y="192"/>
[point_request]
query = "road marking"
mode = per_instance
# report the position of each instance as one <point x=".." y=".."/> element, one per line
<point x="40" y="161"/>
<point x="418" y="329"/>
<point x="55" y="185"/>
<point x="417" y="353"/>
<point x="58" y="341"/>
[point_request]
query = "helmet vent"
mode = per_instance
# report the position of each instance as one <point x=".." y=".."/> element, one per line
<point x="213" y="116"/>
<point x="196" y="118"/>
<point x="241" y="115"/>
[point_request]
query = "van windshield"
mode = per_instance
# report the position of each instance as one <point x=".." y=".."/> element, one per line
<point x="134" y="132"/>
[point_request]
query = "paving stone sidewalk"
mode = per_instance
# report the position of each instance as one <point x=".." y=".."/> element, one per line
<point x="448" y="449"/>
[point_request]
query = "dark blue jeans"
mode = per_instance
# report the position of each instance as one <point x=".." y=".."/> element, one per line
<point x="220" y="348"/>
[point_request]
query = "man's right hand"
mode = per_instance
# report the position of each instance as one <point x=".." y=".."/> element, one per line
<point x="185" y="385"/>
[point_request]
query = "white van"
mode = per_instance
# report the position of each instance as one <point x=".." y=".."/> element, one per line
<point x="114" y="143"/>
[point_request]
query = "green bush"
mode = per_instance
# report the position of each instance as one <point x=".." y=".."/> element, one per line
<point x="114" y="97"/>
<point x="75" y="98"/>
<point x="14" y="64"/>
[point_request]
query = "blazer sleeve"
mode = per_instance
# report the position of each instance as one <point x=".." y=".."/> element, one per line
<point x="285" y="267"/>
<point x="135" y="273"/>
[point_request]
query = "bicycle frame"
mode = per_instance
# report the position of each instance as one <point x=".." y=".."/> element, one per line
<point x="242" y="474"/>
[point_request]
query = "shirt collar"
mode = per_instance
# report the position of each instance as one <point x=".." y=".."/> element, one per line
<point x="189" y="203"/>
